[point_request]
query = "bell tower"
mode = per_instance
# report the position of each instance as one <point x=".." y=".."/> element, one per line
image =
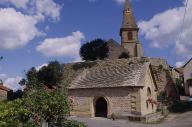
<point x="129" y="32"/>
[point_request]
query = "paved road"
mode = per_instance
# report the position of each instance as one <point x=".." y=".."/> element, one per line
<point x="182" y="120"/>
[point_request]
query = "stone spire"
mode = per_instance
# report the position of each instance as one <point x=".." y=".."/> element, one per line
<point x="128" y="17"/>
<point x="129" y="32"/>
<point x="127" y="5"/>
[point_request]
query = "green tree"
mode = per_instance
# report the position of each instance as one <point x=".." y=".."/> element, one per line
<point x="31" y="78"/>
<point x="93" y="50"/>
<point x="124" y="55"/>
<point x="13" y="113"/>
<point x="51" y="75"/>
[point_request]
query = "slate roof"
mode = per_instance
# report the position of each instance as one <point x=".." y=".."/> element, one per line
<point x="187" y="63"/>
<point x="109" y="74"/>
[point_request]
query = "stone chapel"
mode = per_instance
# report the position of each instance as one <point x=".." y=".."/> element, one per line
<point x="119" y="87"/>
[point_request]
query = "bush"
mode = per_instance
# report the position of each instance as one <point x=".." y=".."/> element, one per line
<point x="47" y="106"/>
<point x="124" y="55"/>
<point x="179" y="107"/>
<point x="179" y="86"/>
<point x="13" y="113"/>
<point x="72" y="123"/>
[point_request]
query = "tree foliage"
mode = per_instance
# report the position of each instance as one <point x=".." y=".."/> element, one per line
<point x="179" y="86"/>
<point x="39" y="104"/>
<point x="124" y="55"/>
<point x="93" y="50"/>
<point x="13" y="95"/>
<point x="50" y="75"/>
<point x="13" y="113"/>
<point x="48" y="106"/>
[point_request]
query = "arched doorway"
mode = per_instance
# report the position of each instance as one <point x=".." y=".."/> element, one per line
<point x="101" y="107"/>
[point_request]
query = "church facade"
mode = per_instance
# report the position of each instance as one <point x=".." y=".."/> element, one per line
<point x="119" y="87"/>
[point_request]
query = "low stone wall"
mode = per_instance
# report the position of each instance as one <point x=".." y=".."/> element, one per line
<point x="154" y="117"/>
<point x="150" y="118"/>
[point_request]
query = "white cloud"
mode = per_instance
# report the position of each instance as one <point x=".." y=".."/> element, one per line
<point x="39" y="8"/>
<point x="118" y="1"/>
<point x="16" y="29"/>
<point x="164" y="28"/>
<point x="40" y="66"/>
<point x="16" y="3"/>
<point x="11" y="82"/>
<point x="180" y="63"/>
<point x="66" y="47"/>
<point x="48" y="8"/>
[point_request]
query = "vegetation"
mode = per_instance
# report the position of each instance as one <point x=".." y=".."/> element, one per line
<point x="179" y="106"/>
<point x="47" y="106"/>
<point x="50" y="75"/>
<point x="74" y="124"/>
<point x="160" y="67"/>
<point x="15" y="95"/>
<point x="124" y="55"/>
<point x="179" y="86"/>
<point x="163" y="99"/>
<point x="43" y="101"/>
<point x="84" y="65"/>
<point x="13" y="113"/>
<point x="93" y="50"/>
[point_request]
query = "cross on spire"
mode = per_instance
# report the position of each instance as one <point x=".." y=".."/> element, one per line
<point x="127" y="5"/>
<point x="128" y="18"/>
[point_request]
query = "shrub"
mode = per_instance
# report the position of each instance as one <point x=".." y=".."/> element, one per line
<point x="124" y="55"/>
<point x="113" y="116"/>
<point x="78" y="66"/>
<point x="179" y="106"/>
<point x="13" y="113"/>
<point x="160" y="67"/>
<point x="71" y="123"/>
<point x="47" y="106"/>
<point x="179" y="86"/>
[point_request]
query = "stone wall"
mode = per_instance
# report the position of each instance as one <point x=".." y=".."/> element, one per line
<point x="158" y="62"/>
<point x="148" y="107"/>
<point x="188" y="75"/>
<point x="3" y="95"/>
<point x="121" y="101"/>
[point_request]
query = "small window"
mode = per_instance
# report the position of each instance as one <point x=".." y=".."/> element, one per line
<point x="130" y="36"/>
<point x="147" y="104"/>
<point x="148" y="92"/>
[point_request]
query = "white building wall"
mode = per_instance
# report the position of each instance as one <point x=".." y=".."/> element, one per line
<point x="188" y="75"/>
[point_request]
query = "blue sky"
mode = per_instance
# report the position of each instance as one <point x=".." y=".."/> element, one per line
<point x="34" y="32"/>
